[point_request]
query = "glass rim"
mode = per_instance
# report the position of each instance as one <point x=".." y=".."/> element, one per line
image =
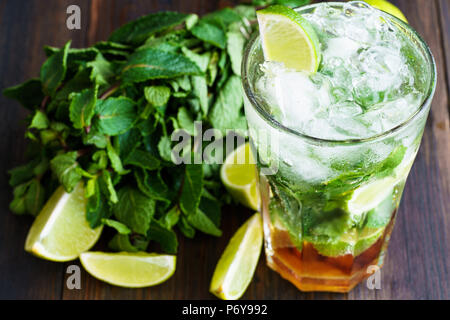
<point x="278" y="125"/>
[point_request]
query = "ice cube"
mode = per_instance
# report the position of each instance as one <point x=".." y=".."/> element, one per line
<point x="341" y="47"/>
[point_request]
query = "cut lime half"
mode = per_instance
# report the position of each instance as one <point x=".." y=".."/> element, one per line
<point x="130" y="270"/>
<point x="239" y="175"/>
<point x="288" y="38"/>
<point x="60" y="232"/>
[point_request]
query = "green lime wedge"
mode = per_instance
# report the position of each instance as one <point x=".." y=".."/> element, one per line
<point x="238" y="174"/>
<point x="236" y="266"/>
<point x="60" y="232"/>
<point x="288" y="38"/>
<point x="130" y="270"/>
<point x="370" y="195"/>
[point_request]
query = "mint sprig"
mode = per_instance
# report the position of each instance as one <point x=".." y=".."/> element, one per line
<point x="104" y="115"/>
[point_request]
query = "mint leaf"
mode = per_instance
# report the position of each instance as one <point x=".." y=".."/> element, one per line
<point x="97" y="208"/>
<point x="34" y="198"/>
<point x="81" y="109"/>
<point x="151" y="63"/>
<point x="113" y="156"/>
<point x="22" y="173"/>
<point x="102" y="70"/>
<point x="95" y="138"/>
<point x="18" y="205"/>
<point x="381" y="215"/>
<point x="210" y="206"/>
<point x="200" y="90"/>
<point x="128" y="142"/>
<point x="186" y="229"/>
<point x="223" y="17"/>
<point x="171" y="218"/>
<point x="152" y="185"/>
<point x="192" y="188"/>
<point x="185" y="121"/>
<point x="235" y="47"/>
<point x="246" y="11"/>
<point x="66" y="168"/>
<point x="29" y="93"/>
<point x="165" y="237"/>
<point x="134" y="209"/>
<point x="143" y="160"/>
<point x="121" y="242"/>
<point x="211" y="72"/>
<point x="165" y="148"/>
<point x="327" y="225"/>
<point x="157" y="95"/>
<point x="28" y="198"/>
<point x="391" y="162"/>
<point x="81" y="80"/>
<point x="109" y="186"/>
<point x="203" y="223"/>
<point x="201" y="60"/>
<point x="39" y="121"/>
<point x="120" y="227"/>
<point x="226" y="113"/>
<point x="53" y="70"/>
<point x="210" y="33"/>
<point x="75" y="56"/>
<point x="114" y="116"/>
<point x="139" y="30"/>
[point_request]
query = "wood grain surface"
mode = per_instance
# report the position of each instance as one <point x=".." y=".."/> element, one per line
<point x="418" y="261"/>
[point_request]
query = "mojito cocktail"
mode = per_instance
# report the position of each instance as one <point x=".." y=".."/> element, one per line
<point x="334" y="147"/>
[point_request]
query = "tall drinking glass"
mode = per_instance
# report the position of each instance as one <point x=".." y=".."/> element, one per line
<point x="329" y="205"/>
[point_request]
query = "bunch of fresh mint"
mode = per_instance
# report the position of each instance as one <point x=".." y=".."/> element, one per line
<point x="105" y="114"/>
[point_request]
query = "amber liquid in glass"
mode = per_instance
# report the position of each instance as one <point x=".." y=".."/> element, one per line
<point x="307" y="269"/>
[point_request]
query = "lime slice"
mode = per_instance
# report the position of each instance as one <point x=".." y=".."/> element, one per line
<point x="129" y="270"/>
<point x="350" y="243"/>
<point x="60" y="232"/>
<point x="239" y="175"/>
<point x="388" y="7"/>
<point x="288" y="38"/>
<point x="236" y="266"/>
<point x="370" y="195"/>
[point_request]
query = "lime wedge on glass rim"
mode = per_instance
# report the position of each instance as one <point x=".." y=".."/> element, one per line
<point x="236" y="266"/>
<point x="60" y="232"/>
<point x="129" y="270"/>
<point x="388" y="7"/>
<point x="288" y="38"/>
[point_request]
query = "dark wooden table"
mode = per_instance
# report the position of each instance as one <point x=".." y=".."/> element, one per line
<point x="418" y="260"/>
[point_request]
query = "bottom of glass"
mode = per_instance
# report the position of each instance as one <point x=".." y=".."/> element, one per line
<point x="308" y="270"/>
